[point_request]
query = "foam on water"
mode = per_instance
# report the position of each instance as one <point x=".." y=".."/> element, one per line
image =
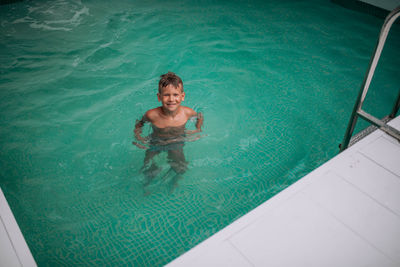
<point x="47" y="16"/>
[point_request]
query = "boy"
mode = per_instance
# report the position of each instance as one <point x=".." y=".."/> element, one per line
<point x="168" y="122"/>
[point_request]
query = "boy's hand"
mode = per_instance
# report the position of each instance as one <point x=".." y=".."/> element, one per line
<point x="192" y="131"/>
<point x="141" y="139"/>
<point x="199" y="122"/>
<point x="138" y="132"/>
<point x="139" y="145"/>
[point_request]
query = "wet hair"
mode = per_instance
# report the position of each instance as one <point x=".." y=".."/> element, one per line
<point x="169" y="78"/>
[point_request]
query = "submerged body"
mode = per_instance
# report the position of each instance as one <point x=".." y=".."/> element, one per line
<point x="167" y="136"/>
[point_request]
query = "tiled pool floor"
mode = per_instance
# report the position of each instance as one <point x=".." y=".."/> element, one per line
<point x="344" y="213"/>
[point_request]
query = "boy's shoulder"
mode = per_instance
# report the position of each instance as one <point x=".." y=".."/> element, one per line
<point x="189" y="111"/>
<point x="152" y="114"/>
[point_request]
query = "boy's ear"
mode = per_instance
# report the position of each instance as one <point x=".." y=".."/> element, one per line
<point x="159" y="97"/>
<point x="183" y="96"/>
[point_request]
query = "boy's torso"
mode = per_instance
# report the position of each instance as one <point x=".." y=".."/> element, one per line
<point x="161" y="120"/>
<point x="167" y="135"/>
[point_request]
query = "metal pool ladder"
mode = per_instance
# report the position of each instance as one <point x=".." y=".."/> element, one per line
<point x="357" y="111"/>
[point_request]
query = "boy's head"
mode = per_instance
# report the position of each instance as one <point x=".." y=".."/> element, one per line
<point x="170" y="92"/>
<point x="169" y="78"/>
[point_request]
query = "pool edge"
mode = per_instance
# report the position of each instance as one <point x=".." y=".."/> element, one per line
<point x="14" y="249"/>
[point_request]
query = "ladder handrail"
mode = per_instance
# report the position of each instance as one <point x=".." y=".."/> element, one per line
<point x="357" y="111"/>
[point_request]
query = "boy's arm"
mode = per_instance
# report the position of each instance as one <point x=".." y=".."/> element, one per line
<point x="199" y="121"/>
<point x="138" y="129"/>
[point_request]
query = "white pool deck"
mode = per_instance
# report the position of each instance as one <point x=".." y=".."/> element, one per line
<point x="344" y="213"/>
<point x="13" y="249"/>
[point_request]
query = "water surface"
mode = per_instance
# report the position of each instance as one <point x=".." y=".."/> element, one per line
<point x="275" y="80"/>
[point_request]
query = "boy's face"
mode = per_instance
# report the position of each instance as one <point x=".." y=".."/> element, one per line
<point x="171" y="97"/>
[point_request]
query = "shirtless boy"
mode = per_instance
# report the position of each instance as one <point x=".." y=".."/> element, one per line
<point x="168" y="122"/>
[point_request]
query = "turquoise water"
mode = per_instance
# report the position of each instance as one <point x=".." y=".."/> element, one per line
<point x="275" y="80"/>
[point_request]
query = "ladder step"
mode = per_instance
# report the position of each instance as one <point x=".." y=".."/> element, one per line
<point x="360" y="135"/>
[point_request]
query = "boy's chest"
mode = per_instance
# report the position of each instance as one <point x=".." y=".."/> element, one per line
<point x="177" y="121"/>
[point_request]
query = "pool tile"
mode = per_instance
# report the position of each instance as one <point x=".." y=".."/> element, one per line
<point x="379" y="183"/>
<point x="395" y="123"/>
<point x="13" y="248"/>
<point x="282" y="238"/>
<point x="359" y="211"/>
<point x="7" y="254"/>
<point x="386" y="153"/>
<point x="223" y="255"/>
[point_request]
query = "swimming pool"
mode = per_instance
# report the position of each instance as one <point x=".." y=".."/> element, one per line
<point x="276" y="82"/>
